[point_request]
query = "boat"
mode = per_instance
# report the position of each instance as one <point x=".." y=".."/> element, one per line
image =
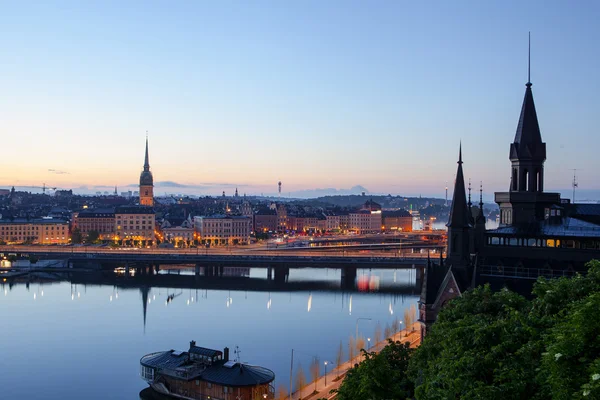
<point x="201" y="374"/>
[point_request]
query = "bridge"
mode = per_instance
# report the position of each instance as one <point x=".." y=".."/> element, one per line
<point x="277" y="263"/>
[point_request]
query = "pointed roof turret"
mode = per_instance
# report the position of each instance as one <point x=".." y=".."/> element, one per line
<point x="459" y="213"/>
<point x="481" y="215"/>
<point x="528" y="143"/>
<point x="146" y="161"/>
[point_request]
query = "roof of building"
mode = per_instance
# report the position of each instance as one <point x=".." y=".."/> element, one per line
<point x="570" y="227"/>
<point x="395" y="213"/>
<point x="238" y="374"/>
<point x="203" y="351"/>
<point x="220" y="372"/>
<point x="434" y="276"/>
<point x="20" y="221"/>
<point x="134" y="210"/>
<point x="96" y="213"/>
<point x="528" y="139"/>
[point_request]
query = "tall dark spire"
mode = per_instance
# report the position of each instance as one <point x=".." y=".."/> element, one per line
<point x="146" y="161"/>
<point x="481" y="215"/>
<point x="528" y="143"/>
<point x="459" y="213"/>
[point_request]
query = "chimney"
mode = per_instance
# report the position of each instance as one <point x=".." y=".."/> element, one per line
<point x="192" y="344"/>
<point x="226" y="354"/>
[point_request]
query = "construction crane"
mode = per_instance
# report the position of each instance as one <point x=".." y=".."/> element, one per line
<point x="43" y="187"/>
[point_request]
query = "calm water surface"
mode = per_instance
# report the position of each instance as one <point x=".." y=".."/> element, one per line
<point x="67" y="341"/>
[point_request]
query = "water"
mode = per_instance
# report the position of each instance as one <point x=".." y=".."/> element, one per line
<point x="84" y="341"/>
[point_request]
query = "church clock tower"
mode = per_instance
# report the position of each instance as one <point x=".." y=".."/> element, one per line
<point x="146" y="183"/>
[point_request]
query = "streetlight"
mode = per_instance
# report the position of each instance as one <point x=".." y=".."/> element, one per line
<point x="325" y="362"/>
<point x="358" y="319"/>
<point x="369" y="345"/>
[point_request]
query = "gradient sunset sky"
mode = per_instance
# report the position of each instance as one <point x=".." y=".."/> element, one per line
<point x="313" y="93"/>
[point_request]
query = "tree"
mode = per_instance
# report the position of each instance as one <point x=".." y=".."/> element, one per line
<point x="76" y="236"/>
<point x="395" y="327"/>
<point x="380" y="376"/>
<point x="388" y="331"/>
<point x="339" y="357"/>
<point x="300" y="377"/>
<point x="93" y="236"/>
<point x="475" y="349"/>
<point x="315" y="371"/>
<point x="282" y="393"/>
<point x="351" y="348"/>
<point x="360" y="344"/>
<point x="377" y="334"/>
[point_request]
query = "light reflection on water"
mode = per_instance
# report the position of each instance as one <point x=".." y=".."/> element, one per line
<point x="63" y="340"/>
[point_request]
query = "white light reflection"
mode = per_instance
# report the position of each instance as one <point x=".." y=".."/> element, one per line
<point x="34" y="296"/>
<point x="78" y="294"/>
<point x="110" y="298"/>
<point x="116" y="295"/>
<point x="391" y="309"/>
<point x="5" y="292"/>
<point x="42" y="293"/>
<point x="72" y="296"/>
<point x="188" y="302"/>
<point x="309" y="302"/>
<point x="350" y="305"/>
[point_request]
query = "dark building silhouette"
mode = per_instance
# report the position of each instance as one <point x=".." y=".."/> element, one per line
<point x="539" y="234"/>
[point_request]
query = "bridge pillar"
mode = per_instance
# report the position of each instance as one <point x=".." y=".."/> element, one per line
<point x="269" y="273"/>
<point x="126" y="269"/>
<point x="156" y="268"/>
<point x="281" y="274"/>
<point x="419" y="274"/>
<point x="220" y="270"/>
<point x="348" y="277"/>
<point x="197" y="270"/>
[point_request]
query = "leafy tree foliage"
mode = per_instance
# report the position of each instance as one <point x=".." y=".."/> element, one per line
<point x="498" y="345"/>
<point x="76" y="236"/>
<point x="380" y="375"/>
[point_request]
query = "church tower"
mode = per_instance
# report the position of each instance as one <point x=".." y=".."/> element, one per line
<point x="525" y="202"/>
<point x="146" y="183"/>
<point x="459" y="224"/>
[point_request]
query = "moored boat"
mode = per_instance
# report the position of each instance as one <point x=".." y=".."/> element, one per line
<point x="205" y="374"/>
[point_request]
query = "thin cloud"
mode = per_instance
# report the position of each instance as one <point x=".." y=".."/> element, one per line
<point x="57" y="172"/>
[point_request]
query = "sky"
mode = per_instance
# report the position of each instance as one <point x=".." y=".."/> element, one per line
<point x="314" y="94"/>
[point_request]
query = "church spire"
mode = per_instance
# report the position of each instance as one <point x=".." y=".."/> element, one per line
<point x="146" y="162"/>
<point x="459" y="213"/>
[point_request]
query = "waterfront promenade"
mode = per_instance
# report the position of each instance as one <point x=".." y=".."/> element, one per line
<point x="411" y="336"/>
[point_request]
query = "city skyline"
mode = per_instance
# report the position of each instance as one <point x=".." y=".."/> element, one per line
<point x="246" y="97"/>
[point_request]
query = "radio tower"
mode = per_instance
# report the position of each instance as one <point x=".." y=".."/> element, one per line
<point x="575" y="184"/>
<point x="279" y="185"/>
<point x="446" y="194"/>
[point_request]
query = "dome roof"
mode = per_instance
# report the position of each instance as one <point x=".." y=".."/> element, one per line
<point x="146" y="179"/>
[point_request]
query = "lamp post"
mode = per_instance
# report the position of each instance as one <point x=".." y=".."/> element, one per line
<point x="358" y="319"/>
<point x="369" y="345"/>
<point x="325" y="362"/>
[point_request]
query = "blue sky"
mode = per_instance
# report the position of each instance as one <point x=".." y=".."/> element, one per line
<point x="315" y="94"/>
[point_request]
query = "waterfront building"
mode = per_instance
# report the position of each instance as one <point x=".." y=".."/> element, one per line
<point x="180" y="232"/>
<point x="396" y="221"/>
<point x="202" y="373"/>
<point x="221" y="229"/>
<point x="265" y="220"/>
<point x="101" y="220"/>
<point x="135" y="225"/>
<point x="367" y="219"/>
<point x="34" y="231"/>
<point x="146" y="183"/>
<point x="282" y="224"/>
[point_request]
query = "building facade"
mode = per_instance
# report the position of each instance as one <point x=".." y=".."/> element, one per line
<point x="367" y="219"/>
<point x="223" y="229"/>
<point x="146" y="183"/>
<point x="134" y="225"/>
<point x="396" y="221"/>
<point x="34" y="231"/>
<point x="98" y="220"/>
